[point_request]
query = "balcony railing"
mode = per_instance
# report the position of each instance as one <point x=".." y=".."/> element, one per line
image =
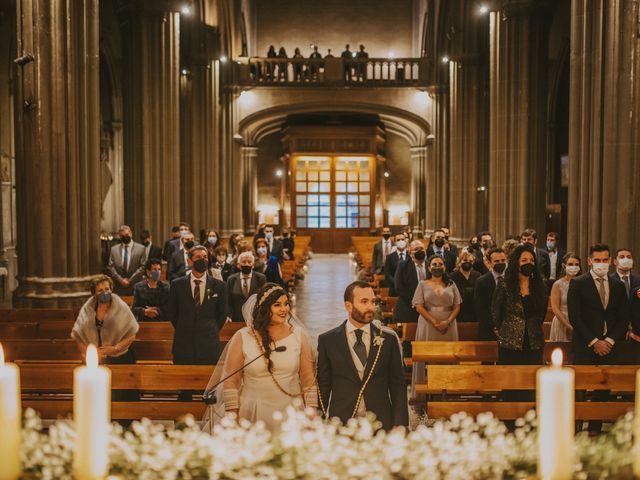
<point x="388" y="72"/>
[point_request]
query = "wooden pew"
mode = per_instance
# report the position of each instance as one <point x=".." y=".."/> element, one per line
<point x="47" y="388"/>
<point x="467" y="331"/>
<point x="454" y="352"/>
<point x="483" y="379"/>
<point x="36" y="314"/>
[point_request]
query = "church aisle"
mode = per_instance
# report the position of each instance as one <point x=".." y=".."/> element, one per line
<point x="319" y="298"/>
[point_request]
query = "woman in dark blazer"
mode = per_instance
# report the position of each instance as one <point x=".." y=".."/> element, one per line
<point x="518" y="309"/>
<point x="464" y="276"/>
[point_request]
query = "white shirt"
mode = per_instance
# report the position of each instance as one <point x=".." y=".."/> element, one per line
<point x="420" y="266"/>
<point x="351" y="340"/>
<point x="553" y="256"/>
<point x="606" y="302"/>
<point x="402" y="255"/>
<point x="245" y="278"/>
<point x="203" y="285"/>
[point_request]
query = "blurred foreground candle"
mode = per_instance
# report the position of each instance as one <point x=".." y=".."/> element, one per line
<point x="10" y="417"/>
<point x="556" y="427"/>
<point x="91" y="411"/>
<point x="636" y="430"/>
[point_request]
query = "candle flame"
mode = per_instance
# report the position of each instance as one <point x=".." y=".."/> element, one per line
<point x="1" y="356"/>
<point x="556" y="358"/>
<point x="92" y="357"/>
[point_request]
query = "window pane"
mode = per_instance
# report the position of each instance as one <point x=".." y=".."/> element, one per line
<point x="301" y="222"/>
<point x="313" y="199"/>
<point x="341" y="176"/>
<point x="341" y="211"/>
<point x="341" y="222"/>
<point x="313" y="187"/>
<point x="325" y="200"/>
<point x="364" y="223"/>
<point x="300" y="175"/>
<point x="364" y="176"/>
<point x="340" y="165"/>
<point x="301" y="199"/>
<point x="341" y="187"/>
<point x="325" y="187"/>
<point x="364" y="211"/>
<point x="312" y="175"/>
<point x="325" y="211"/>
<point x="353" y="222"/>
<point x="364" y="164"/>
<point x="313" y="222"/>
<point x="353" y="176"/>
<point x="341" y="199"/>
<point x="352" y="200"/>
<point x="325" y="176"/>
<point x="301" y="211"/>
<point x="352" y="211"/>
<point x="325" y="165"/>
<point x="313" y="211"/>
<point x="301" y="186"/>
<point x="353" y="186"/>
<point x="325" y="223"/>
<point x="364" y="186"/>
<point x="364" y="199"/>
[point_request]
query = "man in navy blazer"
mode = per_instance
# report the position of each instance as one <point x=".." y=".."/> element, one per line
<point x="198" y="310"/>
<point x="623" y="261"/>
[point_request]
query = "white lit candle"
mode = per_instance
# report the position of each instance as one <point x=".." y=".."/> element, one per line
<point x="636" y="430"/>
<point x="10" y="417"/>
<point x="556" y="427"/>
<point x="91" y="412"/>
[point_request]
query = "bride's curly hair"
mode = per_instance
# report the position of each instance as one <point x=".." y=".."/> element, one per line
<point x="265" y="298"/>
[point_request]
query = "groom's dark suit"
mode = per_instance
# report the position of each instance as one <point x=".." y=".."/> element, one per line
<point x="339" y="382"/>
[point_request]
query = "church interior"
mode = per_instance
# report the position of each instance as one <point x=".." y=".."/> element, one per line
<point x="320" y="139"/>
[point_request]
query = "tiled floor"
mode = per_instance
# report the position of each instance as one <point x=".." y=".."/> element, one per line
<point x="319" y="297"/>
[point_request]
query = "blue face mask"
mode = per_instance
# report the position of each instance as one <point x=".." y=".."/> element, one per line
<point x="551" y="245"/>
<point x="212" y="240"/>
<point x="268" y="235"/>
<point x="155" y="275"/>
<point x="104" y="297"/>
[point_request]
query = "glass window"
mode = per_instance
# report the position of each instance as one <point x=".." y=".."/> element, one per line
<point x="325" y="212"/>
<point x="364" y="199"/>
<point x="352" y="200"/>
<point x="353" y="186"/>
<point x="312" y="176"/>
<point x="300" y="175"/>
<point x="364" y="222"/>
<point x="352" y="211"/>
<point x="353" y="176"/>
<point x="325" y="176"/>
<point x="352" y="222"/>
<point x="301" y="199"/>
<point x="324" y="200"/>
<point x="364" y="186"/>
<point x="301" y="222"/>
<point x="341" y="176"/>
<point x="364" y="211"/>
<point x="341" y="199"/>
<point x="301" y="211"/>
<point x="341" y="187"/>
<point x="325" y="222"/>
<point x="341" y="222"/>
<point x="313" y="199"/>
<point x="314" y="222"/>
<point x="364" y="176"/>
<point x="301" y="186"/>
<point x="325" y="187"/>
<point x="341" y="211"/>
<point x="324" y="165"/>
<point x="314" y="211"/>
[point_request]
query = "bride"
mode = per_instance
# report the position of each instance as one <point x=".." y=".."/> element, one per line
<point x="277" y="377"/>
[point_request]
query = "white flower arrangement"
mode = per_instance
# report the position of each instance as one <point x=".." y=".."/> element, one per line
<point x="306" y="447"/>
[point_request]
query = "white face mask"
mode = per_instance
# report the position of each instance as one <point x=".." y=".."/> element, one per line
<point x="401" y="244"/>
<point x="262" y="250"/>
<point x="573" y="269"/>
<point x="625" y="263"/>
<point x="600" y="269"/>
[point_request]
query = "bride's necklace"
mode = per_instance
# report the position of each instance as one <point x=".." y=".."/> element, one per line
<point x="292" y="395"/>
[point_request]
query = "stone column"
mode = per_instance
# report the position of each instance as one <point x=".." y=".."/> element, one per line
<point x="518" y="102"/>
<point x="250" y="187"/>
<point x="151" y="120"/>
<point x="57" y="152"/>
<point x="418" y="185"/>
<point x="604" y="129"/>
<point x="437" y="206"/>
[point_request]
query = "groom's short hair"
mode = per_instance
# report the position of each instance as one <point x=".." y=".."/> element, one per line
<point x="348" y="292"/>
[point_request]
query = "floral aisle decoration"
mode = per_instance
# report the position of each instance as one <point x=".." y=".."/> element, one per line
<point x="461" y="448"/>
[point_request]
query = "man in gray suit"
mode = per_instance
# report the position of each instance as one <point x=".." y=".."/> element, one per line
<point x="126" y="262"/>
<point x="243" y="284"/>
<point x="380" y="251"/>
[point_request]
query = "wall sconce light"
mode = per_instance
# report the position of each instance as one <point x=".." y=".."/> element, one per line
<point x="445" y="59"/>
<point x="24" y="59"/>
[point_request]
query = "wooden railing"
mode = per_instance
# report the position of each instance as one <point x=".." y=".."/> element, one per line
<point x="391" y="72"/>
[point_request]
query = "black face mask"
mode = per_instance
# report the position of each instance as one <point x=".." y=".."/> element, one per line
<point x="189" y="245"/>
<point x="386" y="236"/>
<point x="439" y="242"/>
<point x="437" y="272"/>
<point x="200" y="265"/>
<point x="126" y="239"/>
<point x="146" y="243"/>
<point x="466" y="266"/>
<point x="475" y="246"/>
<point x="527" y="269"/>
<point x="420" y="255"/>
<point x="486" y="245"/>
<point x="246" y="269"/>
<point x="500" y="268"/>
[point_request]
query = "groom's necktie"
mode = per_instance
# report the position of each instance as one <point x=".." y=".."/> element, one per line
<point x="359" y="348"/>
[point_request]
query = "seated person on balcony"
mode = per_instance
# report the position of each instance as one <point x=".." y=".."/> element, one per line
<point x="362" y="57"/>
<point x="297" y="65"/>
<point x="151" y="295"/>
<point x="314" y="66"/>
<point x="282" y="66"/>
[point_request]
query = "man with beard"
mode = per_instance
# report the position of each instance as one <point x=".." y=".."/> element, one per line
<point x="360" y="365"/>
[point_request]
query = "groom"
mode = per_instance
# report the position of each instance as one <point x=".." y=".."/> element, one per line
<point x="360" y="367"/>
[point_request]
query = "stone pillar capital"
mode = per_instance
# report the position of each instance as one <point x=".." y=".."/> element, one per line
<point x="513" y="8"/>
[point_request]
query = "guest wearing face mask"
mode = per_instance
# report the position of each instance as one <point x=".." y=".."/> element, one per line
<point x="396" y="257"/>
<point x="408" y="275"/>
<point x="464" y="276"/>
<point x="218" y="266"/>
<point x="211" y="242"/>
<point x="381" y="250"/>
<point x="483" y="293"/>
<point x="151" y="296"/>
<point x="180" y="259"/>
<point x="198" y="310"/>
<point x="176" y="243"/>
<point x="274" y="245"/>
<point x="623" y="261"/>
<point x="518" y="309"/>
<point x="556" y="257"/>
<point x="474" y="246"/>
<point x="126" y="262"/>
<point x="150" y="250"/>
<point x="167" y="249"/>
<point x="106" y="321"/>
<point x="449" y="245"/>
<point x="486" y="243"/>
<point x="561" y="329"/>
<point x="439" y="248"/>
<point x="243" y="284"/>
<point x="262" y="255"/>
<point x="437" y="301"/>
